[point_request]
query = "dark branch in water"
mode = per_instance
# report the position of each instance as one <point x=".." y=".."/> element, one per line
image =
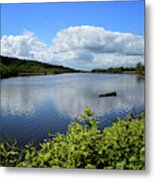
<point x="108" y="94"/>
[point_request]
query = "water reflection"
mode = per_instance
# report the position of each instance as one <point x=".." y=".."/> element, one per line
<point x="140" y="79"/>
<point x="71" y="97"/>
<point x="48" y="101"/>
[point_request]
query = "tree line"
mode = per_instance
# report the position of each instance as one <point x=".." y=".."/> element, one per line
<point x="139" y="69"/>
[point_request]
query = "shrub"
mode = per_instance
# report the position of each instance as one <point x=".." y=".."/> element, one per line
<point x="120" y="146"/>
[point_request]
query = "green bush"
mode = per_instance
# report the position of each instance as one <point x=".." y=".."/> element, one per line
<point x="120" y="146"/>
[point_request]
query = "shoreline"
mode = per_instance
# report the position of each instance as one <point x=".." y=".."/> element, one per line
<point x="123" y="72"/>
<point x="36" y="74"/>
<point x="46" y="74"/>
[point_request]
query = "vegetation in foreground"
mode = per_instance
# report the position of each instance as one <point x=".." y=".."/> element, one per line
<point x="120" y="146"/>
<point x="10" y="67"/>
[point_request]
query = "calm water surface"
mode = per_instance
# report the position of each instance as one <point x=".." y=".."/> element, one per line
<point x="32" y="105"/>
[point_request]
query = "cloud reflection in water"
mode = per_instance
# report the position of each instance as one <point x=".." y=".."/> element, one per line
<point x="48" y="100"/>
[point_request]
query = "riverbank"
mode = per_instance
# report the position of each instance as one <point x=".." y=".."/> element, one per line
<point x="123" y="72"/>
<point x="34" y="74"/>
<point x="13" y="67"/>
<point x="120" y="146"/>
<point x="138" y="69"/>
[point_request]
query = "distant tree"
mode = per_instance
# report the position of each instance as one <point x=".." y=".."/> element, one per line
<point x="139" y="68"/>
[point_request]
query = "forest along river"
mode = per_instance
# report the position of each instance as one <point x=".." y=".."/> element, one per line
<point x="32" y="105"/>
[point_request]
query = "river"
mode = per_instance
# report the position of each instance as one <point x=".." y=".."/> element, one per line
<point x="32" y="105"/>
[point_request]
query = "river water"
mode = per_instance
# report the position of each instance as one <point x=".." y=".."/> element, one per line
<point x="32" y="105"/>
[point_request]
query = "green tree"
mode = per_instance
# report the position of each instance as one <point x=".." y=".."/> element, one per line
<point x="139" y="68"/>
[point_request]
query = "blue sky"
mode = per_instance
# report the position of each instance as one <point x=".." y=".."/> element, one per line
<point x="45" y="20"/>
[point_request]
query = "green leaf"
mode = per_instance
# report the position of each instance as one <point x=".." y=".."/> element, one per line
<point x="121" y="164"/>
<point x="47" y="156"/>
<point x="90" y="166"/>
<point x="49" y="132"/>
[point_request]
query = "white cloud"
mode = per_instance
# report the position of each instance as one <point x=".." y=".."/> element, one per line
<point x="79" y="47"/>
<point x="25" y="46"/>
<point x="97" y="40"/>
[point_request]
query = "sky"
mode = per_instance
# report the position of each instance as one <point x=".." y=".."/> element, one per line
<point x="81" y="35"/>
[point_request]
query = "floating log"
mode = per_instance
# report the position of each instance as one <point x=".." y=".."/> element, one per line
<point x="108" y="94"/>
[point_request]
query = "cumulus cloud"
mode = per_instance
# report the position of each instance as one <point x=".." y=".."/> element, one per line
<point x="25" y="46"/>
<point x="97" y="40"/>
<point x="84" y="47"/>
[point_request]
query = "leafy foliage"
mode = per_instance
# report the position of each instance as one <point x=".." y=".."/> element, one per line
<point x="120" y="146"/>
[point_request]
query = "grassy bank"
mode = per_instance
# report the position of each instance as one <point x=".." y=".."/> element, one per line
<point x="12" y="67"/>
<point x="138" y="69"/>
<point x="120" y="146"/>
